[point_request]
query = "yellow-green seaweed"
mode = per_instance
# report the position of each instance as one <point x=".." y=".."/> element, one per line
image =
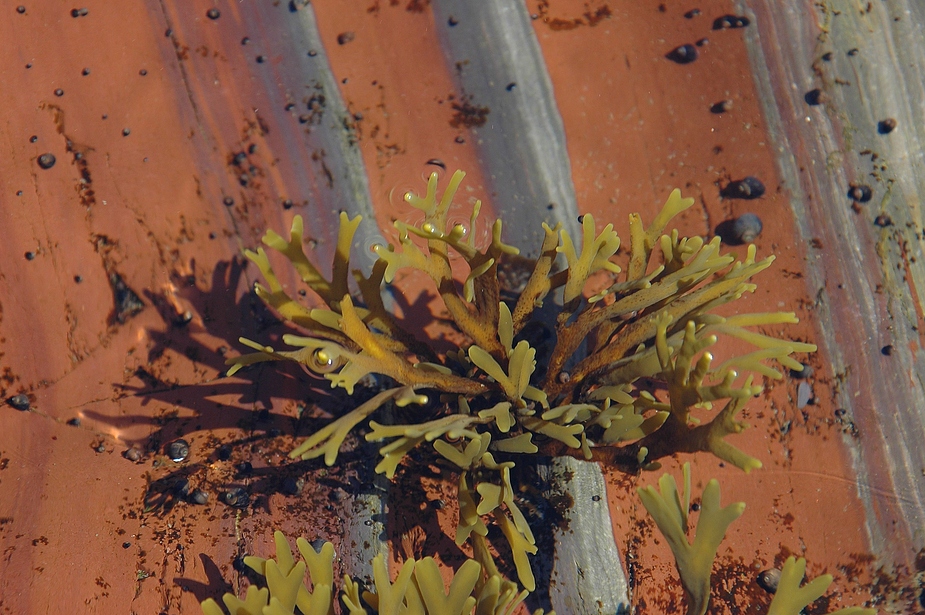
<point x="649" y="323"/>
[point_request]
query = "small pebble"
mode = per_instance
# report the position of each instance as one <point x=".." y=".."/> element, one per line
<point x="804" y="395"/>
<point x="20" y="402"/>
<point x="236" y="498"/>
<point x="46" y="161"/>
<point x="860" y="193"/>
<point x="886" y="126"/>
<point x="293" y="486"/>
<point x="683" y="54"/>
<point x="883" y="221"/>
<point x="815" y="97"/>
<point x="768" y="580"/>
<point x="748" y="188"/>
<point x="199" y="497"/>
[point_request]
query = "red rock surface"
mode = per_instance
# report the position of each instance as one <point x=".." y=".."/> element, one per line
<point x="145" y="148"/>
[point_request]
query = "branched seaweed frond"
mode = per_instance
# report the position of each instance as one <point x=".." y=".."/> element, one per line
<point x="669" y="508"/>
<point x="623" y="373"/>
<point x="418" y="589"/>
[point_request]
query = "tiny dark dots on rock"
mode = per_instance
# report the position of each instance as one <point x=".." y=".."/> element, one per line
<point x="289" y="107"/>
<point x="261" y="59"/>
<point x="29" y="65"/>
<point x="30" y="255"/>
<point x="20" y="402"/>
<point x="251" y="148"/>
<point x="78" y="278"/>
<point x="814" y="97"/>
<point x="228" y="201"/>
<point x="459" y="139"/>
<point x="74" y="422"/>
<point x="853" y="52"/>
<point x="168" y="32"/>
<point x="860" y="193"/>
<point x="143" y="72"/>
<point x="510" y="87"/>
<point x="105" y="116"/>
<point x="198" y="496"/>
<point x="695" y="506"/>
<point x="59" y="92"/>
<point x="33" y="139"/>
<point x="126" y="132"/>
<point x="46" y="161"/>
<point x="747" y="188"/>
<point x="245" y="40"/>
<point x="595" y="498"/>
<point x="827" y="56"/>
<point x="126" y="545"/>
<point x="452" y="22"/>
<point x="79" y="12"/>
<point x="702" y="42"/>
<point x="287" y="204"/>
<point x="345" y="37"/>
<point x="85" y="72"/>
<point x="178" y="450"/>
<point x="312" y="53"/>
<point x="19" y="193"/>
<point x="683" y="54"/>
<point x="211" y="235"/>
<point x="768" y="580"/>
<point x="722" y="106"/>
<point x="692" y="13"/>
<point x="213" y="14"/>
<point x="887" y="350"/>
<point x="886" y="126"/>
<point x="20" y="9"/>
<point x="304" y="119"/>
<point x="728" y="22"/>
<point x="807" y="371"/>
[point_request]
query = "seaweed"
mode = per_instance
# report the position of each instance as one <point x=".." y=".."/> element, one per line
<point x="418" y="588"/>
<point x="629" y="378"/>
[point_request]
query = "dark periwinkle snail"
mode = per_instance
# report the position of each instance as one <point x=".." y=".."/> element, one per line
<point x="683" y="54"/>
<point x="769" y="579"/>
<point x="198" y="496"/>
<point x="178" y="450"/>
<point x="20" y="402"/>
<point x="746" y="228"/>
<point x="236" y="497"/>
<point x="747" y="188"/>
